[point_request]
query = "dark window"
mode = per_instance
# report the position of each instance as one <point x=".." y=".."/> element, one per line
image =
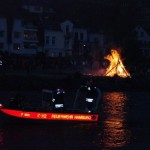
<point x="29" y="46"/>
<point x="1" y="33"/>
<point x="146" y="52"/>
<point x="53" y="40"/>
<point x="66" y="43"/>
<point x="96" y="40"/>
<point x="37" y="8"/>
<point x="81" y="36"/>
<point x="76" y="35"/>
<point x="16" y="35"/>
<point x="141" y="34"/>
<point x="1" y="45"/>
<point x="67" y="29"/>
<point x="60" y="54"/>
<point x="47" y="40"/>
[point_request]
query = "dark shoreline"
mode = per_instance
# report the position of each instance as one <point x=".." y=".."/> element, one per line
<point x="71" y="81"/>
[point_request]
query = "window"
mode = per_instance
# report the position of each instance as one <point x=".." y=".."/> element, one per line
<point x="1" y="33"/>
<point x="141" y="34"/>
<point x="26" y="36"/>
<point x="81" y="36"/>
<point x="53" y="40"/>
<point x="16" y="35"/>
<point x="146" y="52"/>
<point x="67" y="43"/>
<point x="37" y="8"/>
<point x="47" y="40"/>
<point x="96" y="40"/>
<point x="67" y="29"/>
<point x="76" y="35"/>
<point x="30" y="35"/>
<point x="53" y="54"/>
<point x="1" y="45"/>
<point x="60" y="54"/>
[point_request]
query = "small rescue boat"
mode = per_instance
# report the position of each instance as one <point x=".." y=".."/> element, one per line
<point x="85" y="107"/>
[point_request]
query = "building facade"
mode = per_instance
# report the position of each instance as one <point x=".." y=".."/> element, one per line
<point x="143" y="39"/>
<point x="3" y="35"/>
<point x="59" y="41"/>
<point x="24" y="38"/>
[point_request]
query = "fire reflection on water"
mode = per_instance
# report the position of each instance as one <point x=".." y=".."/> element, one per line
<point x="114" y="132"/>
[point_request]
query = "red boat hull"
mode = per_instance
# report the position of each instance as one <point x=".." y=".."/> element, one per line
<point x="51" y="115"/>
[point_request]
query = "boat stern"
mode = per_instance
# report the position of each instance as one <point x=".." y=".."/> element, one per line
<point x="1" y="106"/>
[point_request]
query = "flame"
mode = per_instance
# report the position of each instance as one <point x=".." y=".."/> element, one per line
<point x="116" y="66"/>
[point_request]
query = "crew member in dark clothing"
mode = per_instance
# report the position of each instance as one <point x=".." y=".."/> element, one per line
<point x="90" y="96"/>
<point x="58" y="100"/>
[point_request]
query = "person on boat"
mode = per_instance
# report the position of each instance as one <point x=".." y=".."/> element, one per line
<point x="58" y="100"/>
<point x="90" y="96"/>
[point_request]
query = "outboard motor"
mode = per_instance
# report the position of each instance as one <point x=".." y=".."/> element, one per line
<point x="58" y="100"/>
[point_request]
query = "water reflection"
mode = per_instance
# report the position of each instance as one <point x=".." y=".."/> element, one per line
<point x="1" y="140"/>
<point x="114" y="132"/>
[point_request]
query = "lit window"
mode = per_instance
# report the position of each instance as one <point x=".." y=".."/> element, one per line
<point x="1" y="63"/>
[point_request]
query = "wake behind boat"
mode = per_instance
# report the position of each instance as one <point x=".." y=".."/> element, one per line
<point x="53" y="106"/>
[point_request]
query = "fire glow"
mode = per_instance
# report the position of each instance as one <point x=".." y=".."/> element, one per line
<point x="116" y="66"/>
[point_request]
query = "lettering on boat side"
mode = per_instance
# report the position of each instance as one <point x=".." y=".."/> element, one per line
<point x="60" y="116"/>
<point x="72" y="117"/>
<point x="25" y="114"/>
<point x="82" y="117"/>
<point x="39" y="115"/>
<point x="51" y="116"/>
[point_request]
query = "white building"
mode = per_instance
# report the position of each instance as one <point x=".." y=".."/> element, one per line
<point x="54" y="43"/>
<point x="3" y="35"/>
<point x="24" y="38"/>
<point x="143" y="38"/>
<point x="61" y="42"/>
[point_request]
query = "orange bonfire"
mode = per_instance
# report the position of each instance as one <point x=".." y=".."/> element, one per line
<point x="116" y="66"/>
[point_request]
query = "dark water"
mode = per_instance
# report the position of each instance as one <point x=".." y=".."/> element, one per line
<point x="124" y="125"/>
